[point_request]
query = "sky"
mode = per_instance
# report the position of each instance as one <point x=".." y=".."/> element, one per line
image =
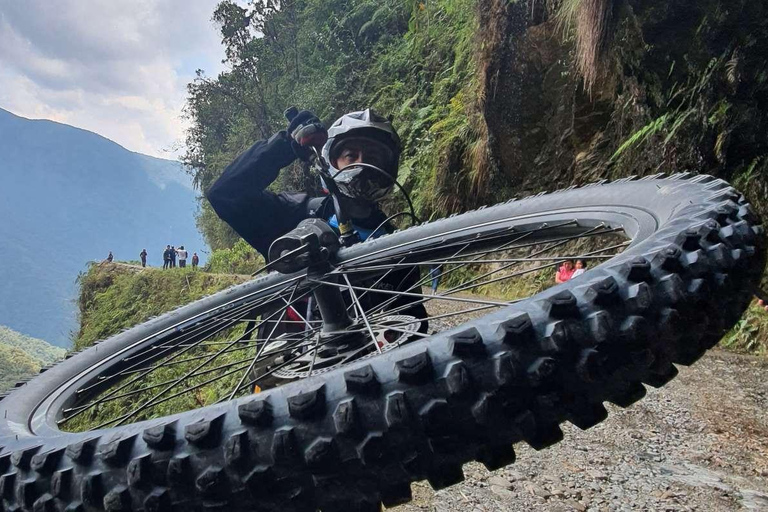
<point x="115" y="67"/>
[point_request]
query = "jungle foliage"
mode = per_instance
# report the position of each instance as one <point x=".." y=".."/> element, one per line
<point x="411" y="60"/>
<point x="496" y="98"/>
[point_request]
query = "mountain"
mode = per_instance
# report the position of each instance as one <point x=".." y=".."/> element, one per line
<point x="40" y="350"/>
<point x="22" y="356"/>
<point x="69" y="196"/>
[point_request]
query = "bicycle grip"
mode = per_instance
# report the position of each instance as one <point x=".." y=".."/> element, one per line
<point x="290" y="113"/>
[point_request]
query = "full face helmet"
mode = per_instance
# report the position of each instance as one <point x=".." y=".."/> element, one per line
<point x="375" y="140"/>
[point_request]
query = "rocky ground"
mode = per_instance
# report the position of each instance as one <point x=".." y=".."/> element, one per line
<point x="700" y="443"/>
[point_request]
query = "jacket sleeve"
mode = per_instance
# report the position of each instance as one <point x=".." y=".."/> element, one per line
<point x="240" y="198"/>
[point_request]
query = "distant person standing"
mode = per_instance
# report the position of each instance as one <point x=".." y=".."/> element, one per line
<point x="195" y="260"/>
<point x="173" y="257"/>
<point x="435" y="274"/>
<point x="167" y="257"/>
<point x="565" y="272"/>
<point x="182" y="253"/>
<point x="579" y="268"/>
<point x="143" y="256"/>
<point x="110" y="257"/>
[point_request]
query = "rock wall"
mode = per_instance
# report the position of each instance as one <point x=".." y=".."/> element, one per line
<point x="685" y="87"/>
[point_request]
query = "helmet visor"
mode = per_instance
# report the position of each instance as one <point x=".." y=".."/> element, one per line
<point x="352" y="150"/>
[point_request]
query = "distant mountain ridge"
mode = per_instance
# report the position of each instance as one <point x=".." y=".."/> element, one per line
<point x="22" y="356"/>
<point x="68" y="196"/>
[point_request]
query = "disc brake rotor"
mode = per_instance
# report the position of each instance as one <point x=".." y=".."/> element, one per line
<point x="391" y="332"/>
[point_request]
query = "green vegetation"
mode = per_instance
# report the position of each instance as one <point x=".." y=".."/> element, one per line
<point x="223" y="377"/>
<point x="15" y="364"/>
<point x="241" y="258"/>
<point x="115" y="297"/>
<point x="40" y="350"/>
<point x="22" y="356"/>
<point x="750" y="334"/>
<point x="412" y="60"/>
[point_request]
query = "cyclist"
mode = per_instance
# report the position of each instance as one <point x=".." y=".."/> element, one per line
<point x="240" y="196"/>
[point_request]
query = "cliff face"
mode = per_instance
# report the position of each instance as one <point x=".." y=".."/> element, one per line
<point x="680" y="86"/>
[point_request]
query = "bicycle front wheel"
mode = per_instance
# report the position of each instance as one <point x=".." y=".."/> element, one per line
<point x="164" y="416"/>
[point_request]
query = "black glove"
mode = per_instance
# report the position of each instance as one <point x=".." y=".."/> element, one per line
<point x="306" y="130"/>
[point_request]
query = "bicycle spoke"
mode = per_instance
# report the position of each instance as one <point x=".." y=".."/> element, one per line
<point x="142" y="390"/>
<point x="186" y="335"/>
<point x="143" y="374"/>
<point x="183" y="378"/>
<point x="274" y="327"/>
<point x="420" y="295"/>
<point x="228" y="352"/>
<point x="362" y="313"/>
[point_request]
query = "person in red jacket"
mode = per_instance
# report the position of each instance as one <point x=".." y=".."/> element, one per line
<point x="565" y="272"/>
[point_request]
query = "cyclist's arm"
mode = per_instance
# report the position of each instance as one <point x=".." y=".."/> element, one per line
<point x="240" y="198"/>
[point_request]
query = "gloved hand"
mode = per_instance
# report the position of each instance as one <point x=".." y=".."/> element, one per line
<point x="306" y="131"/>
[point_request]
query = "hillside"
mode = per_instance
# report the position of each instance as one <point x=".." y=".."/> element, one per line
<point x="22" y="356"/>
<point x="114" y="297"/>
<point x="68" y="196"/>
<point x="40" y="350"/>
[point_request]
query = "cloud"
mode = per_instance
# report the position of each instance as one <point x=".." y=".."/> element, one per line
<point x="116" y="67"/>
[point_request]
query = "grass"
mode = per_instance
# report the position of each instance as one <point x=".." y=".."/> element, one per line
<point x="750" y="334"/>
<point x="113" y="298"/>
<point x="592" y="22"/>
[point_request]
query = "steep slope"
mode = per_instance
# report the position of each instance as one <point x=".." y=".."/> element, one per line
<point x="115" y="297"/>
<point x="15" y="364"/>
<point x="68" y="196"/>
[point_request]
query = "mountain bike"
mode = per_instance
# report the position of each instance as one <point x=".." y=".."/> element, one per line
<point x="296" y="391"/>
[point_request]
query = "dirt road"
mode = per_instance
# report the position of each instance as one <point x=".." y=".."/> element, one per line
<point x="700" y="443"/>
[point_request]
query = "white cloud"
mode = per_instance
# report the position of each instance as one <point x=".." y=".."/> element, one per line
<point x="115" y="67"/>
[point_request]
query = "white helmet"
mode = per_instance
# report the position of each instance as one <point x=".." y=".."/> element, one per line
<point x="361" y="182"/>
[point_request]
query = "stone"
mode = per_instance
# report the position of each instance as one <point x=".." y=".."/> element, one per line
<point x="500" y="482"/>
<point x="537" y="490"/>
<point x="597" y="474"/>
<point x="501" y="491"/>
<point x="557" y="492"/>
<point x="574" y="505"/>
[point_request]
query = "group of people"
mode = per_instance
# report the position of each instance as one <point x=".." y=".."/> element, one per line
<point x="171" y="254"/>
<point x="570" y="269"/>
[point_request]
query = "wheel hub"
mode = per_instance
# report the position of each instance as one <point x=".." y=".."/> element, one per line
<point x="391" y="332"/>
